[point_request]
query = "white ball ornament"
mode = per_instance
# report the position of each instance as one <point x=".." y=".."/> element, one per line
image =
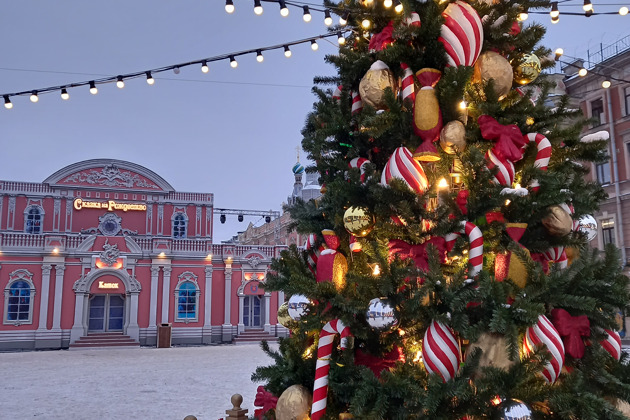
<point x="588" y="226"/>
<point x="380" y="314"/>
<point x="298" y="305"/>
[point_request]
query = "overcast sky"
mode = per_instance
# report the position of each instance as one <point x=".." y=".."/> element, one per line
<point x="232" y="132"/>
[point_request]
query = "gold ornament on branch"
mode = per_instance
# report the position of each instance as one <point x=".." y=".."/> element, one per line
<point x="558" y="222"/>
<point x="493" y="66"/>
<point x="283" y="315"/>
<point x="494" y="352"/>
<point x="526" y="69"/>
<point x="358" y="221"/>
<point x="294" y="404"/>
<point x="372" y="86"/>
<point x="453" y="137"/>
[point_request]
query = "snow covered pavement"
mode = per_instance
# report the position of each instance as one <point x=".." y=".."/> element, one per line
<point x="146" y="383"/>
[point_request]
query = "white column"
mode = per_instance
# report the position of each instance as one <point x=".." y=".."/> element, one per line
<point x="155" y="272"/>
<point x="166" y="288"/>
<point x="267" y="303"/>
<point x="207" y="304"/>
<point x="78" y="330"/>
<point x="59" y="271"/>
<point x="43" y="303"/>
<point x="227" y="326"/>
<point x="241" y="315"/>
<point x="132" y="330"/>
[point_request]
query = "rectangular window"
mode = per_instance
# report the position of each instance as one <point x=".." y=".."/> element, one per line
<point x="626" y="94"/>
<point x="597" y="112"/>
<point x="608" y="231"/>
<point x="603" y="173"/>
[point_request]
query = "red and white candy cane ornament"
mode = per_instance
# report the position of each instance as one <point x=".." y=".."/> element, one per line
<point x="557" y="255"/>
<point x="313" y="253"/>
<point x="322" y="367"/>
<point x="543" y="154"/>
<point x="440" y="351"/>
<point x="357" y="163"/>
<point x="413" y="20"/>
<point x="543" y="332"/>
<point x="612" y="344"/>
<point x="505" y="169"/>
<point x="407" y="87"/>
<point x="337" y="93"/>
<point x="461" y="34"/>
<point x="354" y="244"/>
<point x="357" y="104"/>
<point x="475" y="252"/>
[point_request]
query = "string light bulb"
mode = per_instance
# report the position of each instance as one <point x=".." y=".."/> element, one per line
<point x="64" y="94"/>
<point x="284" y="10"/>
<point x="442" y="184"/>
<point x="399" y="7"/>
<point x="314" y="45"/>
<point x="204" y="67"/>
<point x="328" y="19"/>
<point x="343" y="19"/>
<point x="582" y="72"/>
<point x="176" y="70"/>
<point x="623" y="11"/>
<point x="7" y="102"/>
<point x="307" y="14"/>
<point x="233" y="62"/>
<point x="150" y="79"/>
<point x="463" y="105"/>
<point x="34" y="97"/>
<point x="559" y="52"/>
<point x="258" y="7"/>
<point x="340" y="39"/>
<point x="555" y="20"/>
<point x="588" y="6"/>
<point x="555" y="13"/>
<point x="388" y="3"/>
<point x="606" y="84"/>
<point x="287" y="51"/>
<point x="93" y="89"/>
<point x="229" y="6"/>
<point x="366" y="24"/>
<point x="259" y="56"/>
<point x="120" y="82"/>
<point x="523" y="15"/>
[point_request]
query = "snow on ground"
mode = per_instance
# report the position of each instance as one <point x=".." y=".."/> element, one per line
<point x="145" y="383"/>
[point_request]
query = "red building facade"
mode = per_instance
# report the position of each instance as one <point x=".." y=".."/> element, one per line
<point x="109" y="246"/>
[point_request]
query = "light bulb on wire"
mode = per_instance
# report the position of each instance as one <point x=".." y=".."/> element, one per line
<point x="93" y="89"/>
<point x="307" y="14"/>
<point x="150" y="79"/>
<point x="284" y="10"/>
<point x="588" y="6"/>
<point x="176" y="70"/>
<point x="64" y="94"/>
<point x="328" y="20"/>
<point x="388" y="3"/>
<point x="119" y="82"/>
<point x="340" y="39"/>
<point x="399" y="7"/>
<point x="314" y="45"/>
<point x="559" y="52"/>
<point x="287" y="51"/>
<point x="229" y="6"/>
<point x="233" y="62"/>
<point x="204" y="67"/>
<point x="34" y="97"/>
<point x="582" y="72"/>
<point x="555" y="13"/>
<point x="343" y="19"/>
<point x="7" y="102"/>
<point x="623" y="11"/>
<point x="258" y="7"/>
<point x="523" y="15"/>
<point x="606" y="84"/>
<point x="259" y="56"/>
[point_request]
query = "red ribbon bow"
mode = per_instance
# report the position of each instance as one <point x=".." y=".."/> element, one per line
<point x="509" y="139"/>
<point x="383" y="39"/>
<point x="418" y="252"/>
<point x="571" y="329"/>
<point x="379" y="364"/>
<point x="264" y="399"/>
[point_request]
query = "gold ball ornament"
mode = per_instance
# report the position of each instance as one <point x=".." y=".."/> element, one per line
<point x="558" y="222"/>
<point x="453" y="137"/>
<point x="358" y="221"/>
<point x="294" y="404"/>
<point x="494" y="352"/>
<point x="526" y="69"/>
<point x="373" y="84"/>
<point x="493" y="66"/>
<point x="283" y="315"/>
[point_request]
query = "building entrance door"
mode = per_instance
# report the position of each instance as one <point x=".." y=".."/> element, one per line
<point x="106" y="313"/>
<point x="251" y="312"/>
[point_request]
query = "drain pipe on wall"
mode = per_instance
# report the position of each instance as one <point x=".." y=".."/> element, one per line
<point x="613" y="148"/>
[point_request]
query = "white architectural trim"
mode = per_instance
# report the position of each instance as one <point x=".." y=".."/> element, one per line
<point x="59" y="271"/>
<point x="43" y="302"/>
<point x="27" y="277"/>
<point x="166" y="287"/>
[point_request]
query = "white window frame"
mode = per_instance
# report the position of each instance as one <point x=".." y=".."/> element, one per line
<point x="41" y="218"/>
<point x="27" y="277"/>
<point x="600" y="230"/>
<point x="173" y="218"/>
<point x="187" y="277"/>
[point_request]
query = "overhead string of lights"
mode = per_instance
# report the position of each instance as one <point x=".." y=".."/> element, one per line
<point x="587" y="7"/>
<point x="583" y="71"/>
<point x="204" y="63"/>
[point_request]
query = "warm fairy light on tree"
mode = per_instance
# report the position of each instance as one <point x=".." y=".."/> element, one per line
<point x="365" y="24"/>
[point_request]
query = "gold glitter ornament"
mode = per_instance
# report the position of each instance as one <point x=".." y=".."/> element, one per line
<point x="492" y="65"/>
<point x="453" y="137"/>
<point x="283" y="315"/>
<point x="526" y="69"/>
<point x="294" y="404"/>
<point x="494" y="352"/>
<point x="372" y="86"/>
<point x="358" y="221"/>
<point x="558" y="222"/>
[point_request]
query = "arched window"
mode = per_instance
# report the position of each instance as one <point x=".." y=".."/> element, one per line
<point x="187" y="301"/>
<point x="18" y="298"/>
<point x="33" y="220"/>
<point x="179" y="225"/>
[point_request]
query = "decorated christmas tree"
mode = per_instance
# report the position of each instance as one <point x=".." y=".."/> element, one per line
<point x="447" y="273"/>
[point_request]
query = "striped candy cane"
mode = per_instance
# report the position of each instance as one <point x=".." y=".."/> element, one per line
<point x="357" y="163"/>
<point x="322" y="367"/>
<point x="505" y="173"/>
<point x="612" y="344"/>
<point x="413" y="20"/>
<point x="357" y="104"/>
<point x="313" y="253"/>
<point x="557" y="255"/>
<point x="337" y="93"/>
<point x="475" y="239"/>
<point x="543" y="146"/>
<point x="407" y="87"/>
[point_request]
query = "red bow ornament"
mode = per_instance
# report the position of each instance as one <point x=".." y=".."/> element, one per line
<point x="264" y="399"/>
<point x="509" y="139"/>
<point x="377" y="364"/>
<point x="383" y="39"/>
<point x="418" y="252"/>
<point x="571" y="329"/>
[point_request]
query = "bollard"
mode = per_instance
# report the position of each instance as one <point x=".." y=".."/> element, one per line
<point x="236" y="413"/>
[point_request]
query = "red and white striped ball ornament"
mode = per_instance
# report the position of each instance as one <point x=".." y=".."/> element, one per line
<point x="407" y="87"/>
<point x="322" y="366"/>
<point x="475" y="239"/>
<point x="505" y="169"/>
<point x="557" y="255"/>
<point x="461" y="34"/>
<point x="357" y="104"/>
<point x="612" y="344"/>
<point x="543" y="332"/>
<point x="358" y="163"/>
<point x="543" y="154"/>
<point x="401" y="165"/>
<point x="440" y="351"/>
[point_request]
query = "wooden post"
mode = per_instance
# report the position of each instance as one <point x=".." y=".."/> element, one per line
<point x="236" y="413"/>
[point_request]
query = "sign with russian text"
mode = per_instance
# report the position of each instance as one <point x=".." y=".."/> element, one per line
<point x="110" y="205"/>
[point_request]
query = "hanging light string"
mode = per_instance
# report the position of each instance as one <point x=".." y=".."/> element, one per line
<point x="583" y="71"/>
<point x="119" y="79"/>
